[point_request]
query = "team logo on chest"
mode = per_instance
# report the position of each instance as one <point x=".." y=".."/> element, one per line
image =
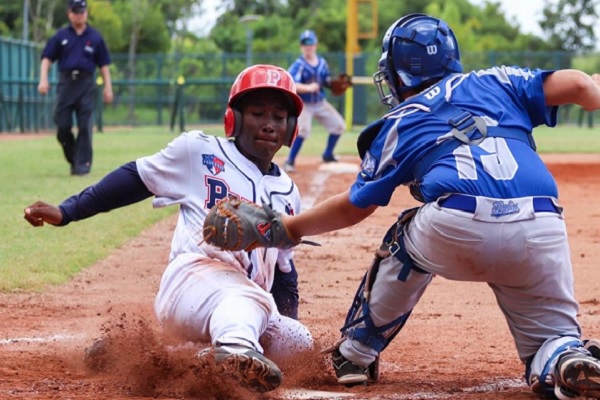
<point x="214" y="164"/>
<point x="289" y="210"/>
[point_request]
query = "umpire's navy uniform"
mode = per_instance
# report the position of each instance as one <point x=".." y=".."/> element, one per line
<point x="78" y="56"/>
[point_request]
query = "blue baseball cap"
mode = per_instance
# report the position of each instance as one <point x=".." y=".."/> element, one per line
<point x="77" y="6"/>
<point x="308" y="38"/>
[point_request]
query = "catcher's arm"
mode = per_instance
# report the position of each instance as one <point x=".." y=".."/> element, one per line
<point x="335" y="213"/>
<point x="571" y="86"/>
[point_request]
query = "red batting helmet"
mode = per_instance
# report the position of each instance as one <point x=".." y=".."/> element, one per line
<point x="263" y="77"/>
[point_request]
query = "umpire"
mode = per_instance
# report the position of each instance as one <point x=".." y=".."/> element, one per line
<point x="79" y="48"/>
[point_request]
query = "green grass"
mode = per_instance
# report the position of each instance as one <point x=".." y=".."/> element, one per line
<point x="34" y="169"/>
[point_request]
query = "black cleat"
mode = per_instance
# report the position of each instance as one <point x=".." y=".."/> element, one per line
<point x="329" y="159"/>
<point x="347" y="372"/>
<point x="577" y="374"/>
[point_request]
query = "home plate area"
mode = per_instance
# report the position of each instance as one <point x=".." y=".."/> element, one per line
<point x="306" y="394"/>
<point x="339" y="167"/>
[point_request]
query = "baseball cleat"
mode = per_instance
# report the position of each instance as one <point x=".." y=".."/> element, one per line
<point x="577" y="374"/>
<point x="329" y="159"/>
<point x="348" y="373"/>
<point x="96" y="357"/>
<point x="593" y="346"/>
<point x="246" y="365"/>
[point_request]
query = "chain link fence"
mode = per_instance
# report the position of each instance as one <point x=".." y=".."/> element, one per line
<point x="192" y="89"/>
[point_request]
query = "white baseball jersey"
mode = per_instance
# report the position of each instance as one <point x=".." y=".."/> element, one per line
<point x="206" y="293"/>
<point x="196" y="171"/>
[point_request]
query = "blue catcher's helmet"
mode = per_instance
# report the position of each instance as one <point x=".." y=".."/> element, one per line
<point x="415" y="49"/>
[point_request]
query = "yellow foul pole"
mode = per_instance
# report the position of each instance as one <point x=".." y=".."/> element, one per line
<point x="352" y="48"/>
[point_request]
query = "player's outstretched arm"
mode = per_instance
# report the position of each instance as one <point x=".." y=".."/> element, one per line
<point x="307" y="87"/>
<point x="570" y="86"/>
<point x="335" y="213"/>
<point x="39" y="212"/>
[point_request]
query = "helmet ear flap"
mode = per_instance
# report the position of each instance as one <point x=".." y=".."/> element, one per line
<point x="233" y="122"/>
<point x="292" y="130"/>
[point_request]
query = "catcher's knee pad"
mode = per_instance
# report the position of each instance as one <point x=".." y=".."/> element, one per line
<point x="359" y="324"/>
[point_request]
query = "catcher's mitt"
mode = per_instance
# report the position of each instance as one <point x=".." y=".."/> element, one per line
<point x="340" y="84"/>
<point x="240" y="225"/>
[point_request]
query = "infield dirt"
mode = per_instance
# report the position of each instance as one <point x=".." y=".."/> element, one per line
<point x="456" y="345"/>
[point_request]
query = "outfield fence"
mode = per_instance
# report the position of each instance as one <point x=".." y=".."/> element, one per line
<point x="177" y="90"/>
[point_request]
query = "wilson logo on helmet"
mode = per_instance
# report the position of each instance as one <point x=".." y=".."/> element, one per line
<point x="431" y="50"/>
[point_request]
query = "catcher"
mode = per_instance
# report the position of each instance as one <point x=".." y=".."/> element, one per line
<point x="311" y="74"/>
<point x="463" y="144"/>
<point x="206" y="294"/>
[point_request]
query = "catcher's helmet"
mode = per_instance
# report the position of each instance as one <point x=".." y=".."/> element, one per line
<point x="262" y="77"/>
<point x="415" y="49"/>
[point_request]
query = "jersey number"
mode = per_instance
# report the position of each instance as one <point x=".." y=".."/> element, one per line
<point x="499" y="163"/>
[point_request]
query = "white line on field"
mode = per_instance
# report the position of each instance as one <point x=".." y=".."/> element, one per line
<point x="320" y="178"/>
<point x="315" y="189"/>
<point x="493" y="386"/>
<point x="40" y="339"/>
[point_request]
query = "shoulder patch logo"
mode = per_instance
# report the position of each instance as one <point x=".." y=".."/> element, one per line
<point x="214" y="164"/>
<point x="369" y="165"/>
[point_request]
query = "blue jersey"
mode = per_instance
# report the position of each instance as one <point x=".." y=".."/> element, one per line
<point x="77" y="52"/>
<point x="303" y="72"/>
<point x="508" y="99"/>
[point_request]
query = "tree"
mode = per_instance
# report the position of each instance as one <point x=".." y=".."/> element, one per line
<point x="569" y="24"/>
<point x="105" y="18"/>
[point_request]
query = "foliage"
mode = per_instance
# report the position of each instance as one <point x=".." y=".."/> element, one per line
<point x="570" y="24"/>
<point x="152" y="26"/>
<point x="589" y="63"/>
<point x="103" y="15"/>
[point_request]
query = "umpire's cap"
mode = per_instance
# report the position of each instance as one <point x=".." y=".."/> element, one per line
<point x="308" y="38"/>
<point x="77" y="6"/>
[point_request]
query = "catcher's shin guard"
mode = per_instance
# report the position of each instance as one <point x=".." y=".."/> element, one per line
<point x="358" y="324"/>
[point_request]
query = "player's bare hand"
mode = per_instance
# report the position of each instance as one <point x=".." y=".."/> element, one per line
<point x="596" y="79"/>
<point x="43" y="87"/>
<point x="40" y="212"/>
<point x="314" y="87"/>
<point x="108" y="95"/>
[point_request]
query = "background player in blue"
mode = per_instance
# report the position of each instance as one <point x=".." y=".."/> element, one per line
<point x="311" y="74"/>
<point x="206" y="294"/>
<point x="79" y="49"/>
<point x="463" y="144"/>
